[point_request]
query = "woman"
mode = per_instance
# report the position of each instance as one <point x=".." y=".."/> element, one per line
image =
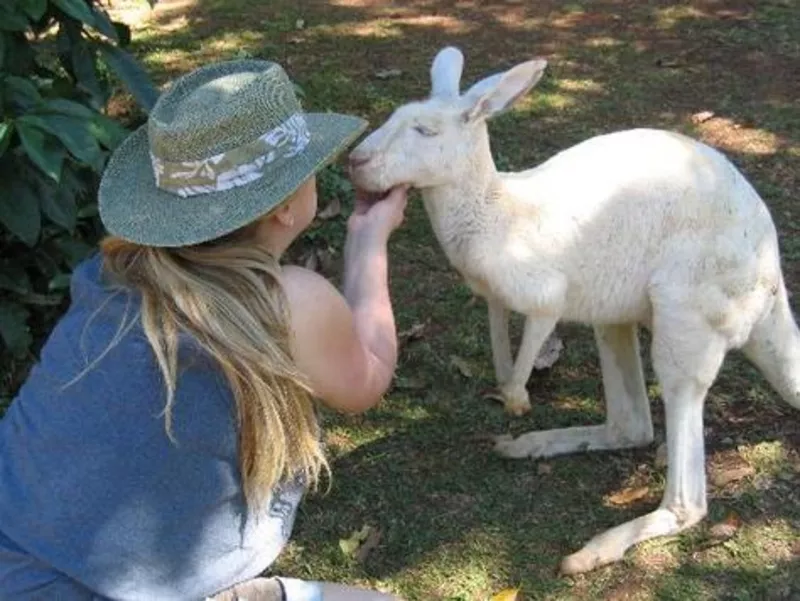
<point x="160" y="447"/>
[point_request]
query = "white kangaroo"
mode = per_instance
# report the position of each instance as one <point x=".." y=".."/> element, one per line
<point x="639" y="227"/>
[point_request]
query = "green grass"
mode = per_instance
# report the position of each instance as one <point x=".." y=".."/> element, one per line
<point x="457" y="522"/>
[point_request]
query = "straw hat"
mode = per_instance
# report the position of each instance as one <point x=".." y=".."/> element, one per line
<point x="225" y="144"/>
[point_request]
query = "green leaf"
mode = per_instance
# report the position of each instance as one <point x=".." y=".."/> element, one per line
<point x="2" y="48"/>
<point x="46" y="265"/>
<point x="73" y="132"/>
<point x="42" y="149"/>
<point x="82" y="61"/>
<point x="58" y="204"/>
<point x="12" y="20"/>
<point x="14" y="279"/>
<point x="14" y="327"/>
<point x="107" y="131"/>
<point x="77" y="9"/>
<point x="19" y="211"/>
<point x="88" y="211"/>
<point x="59" y="282"/>
<point x="72" y="250"/>
<point x="103" y="24"/>
<point x="6" y="129"/>
<point x="21" y="91"/>
<point x="34" y="8"/>
<point x="67" y="107"/>
<point x="131" y="73"/>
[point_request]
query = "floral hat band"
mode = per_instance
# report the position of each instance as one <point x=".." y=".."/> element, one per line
<point x="236" y="167"/>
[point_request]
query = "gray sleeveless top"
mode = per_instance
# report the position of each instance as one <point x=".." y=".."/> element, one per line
<point x="95" y="501"/>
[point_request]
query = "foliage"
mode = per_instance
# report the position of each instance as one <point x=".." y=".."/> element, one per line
<point x="59" y="61"/>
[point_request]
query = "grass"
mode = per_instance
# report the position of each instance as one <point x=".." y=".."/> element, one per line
<point x="457" y="522"/>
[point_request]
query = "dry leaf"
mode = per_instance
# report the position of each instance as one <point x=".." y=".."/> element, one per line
<point x="333" y="209"/>
<point x="724" y="476"/>
<point x="628" y="495"/>
<point x="387" y="73"/>
<point x="509" y="594"/>
<point x="727" y="528"/>
<point x="461" y="365"/>
<point x="670" y="63"/>
<point x="300" y="23"/>
<point x="349" y="546"/>
<point x="413" y="332"/>
<point x="702" y="117"/>
<point x="370" y="543"/>
<point x="544" y="468"/>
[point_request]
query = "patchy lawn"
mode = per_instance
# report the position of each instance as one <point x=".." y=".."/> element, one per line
<point x="457" y="522"/>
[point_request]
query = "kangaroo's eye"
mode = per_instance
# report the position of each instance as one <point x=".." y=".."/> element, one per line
<point x="424" y="131"/>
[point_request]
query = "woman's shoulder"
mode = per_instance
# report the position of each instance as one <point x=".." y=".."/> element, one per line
<point x="307" y="291"/>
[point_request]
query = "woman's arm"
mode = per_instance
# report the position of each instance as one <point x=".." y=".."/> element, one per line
<point x="347" y="344"/>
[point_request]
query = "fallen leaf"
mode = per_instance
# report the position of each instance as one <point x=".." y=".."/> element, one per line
<point x="509" y="594"/>
<point x="371" y="542"/>
<point x="461" y="365"/>
<point x="727" y="528"/>
<point x="349" y="546"/>
<point x="412" y="333"/>
<point x="724" y="476"/>
<point x="628" y="495"/>
<point x="387" y="73"/>
<point x="670" y="63"/>
<point x="544" y="469"/>
<point x="702" y="117"/>
<point x="333" y="209"/>
<point x="300" y="23"/>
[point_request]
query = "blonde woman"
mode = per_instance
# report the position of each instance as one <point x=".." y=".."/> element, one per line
<point x="160" y="447"/>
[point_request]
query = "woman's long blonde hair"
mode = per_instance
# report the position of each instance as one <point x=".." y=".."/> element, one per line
<point x="227" y="295"/>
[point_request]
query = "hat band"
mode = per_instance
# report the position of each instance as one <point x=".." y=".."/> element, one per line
<point x="236" y="167"/>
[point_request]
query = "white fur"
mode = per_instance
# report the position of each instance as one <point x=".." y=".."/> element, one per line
<point x="639" y="227"/>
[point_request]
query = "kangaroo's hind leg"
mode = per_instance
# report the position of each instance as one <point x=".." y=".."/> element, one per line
<point x="687" y="355"/>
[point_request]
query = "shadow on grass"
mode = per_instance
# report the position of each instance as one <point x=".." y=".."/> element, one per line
<point x="432" y="486"/>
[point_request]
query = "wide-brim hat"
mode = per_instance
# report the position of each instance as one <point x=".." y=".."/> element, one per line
<point x="223" y="146"/>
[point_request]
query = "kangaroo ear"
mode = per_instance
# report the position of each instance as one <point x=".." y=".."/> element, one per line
<point x="446" y="72"/>
<point x="498" y="92"/>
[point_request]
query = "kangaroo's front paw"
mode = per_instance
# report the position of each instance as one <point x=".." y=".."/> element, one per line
<point x="515" y="399"/>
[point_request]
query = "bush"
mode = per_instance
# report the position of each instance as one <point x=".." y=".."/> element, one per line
<point x="59" y="60"/>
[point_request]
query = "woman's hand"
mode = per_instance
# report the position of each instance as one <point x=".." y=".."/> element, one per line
<point x="379" y="217"/>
